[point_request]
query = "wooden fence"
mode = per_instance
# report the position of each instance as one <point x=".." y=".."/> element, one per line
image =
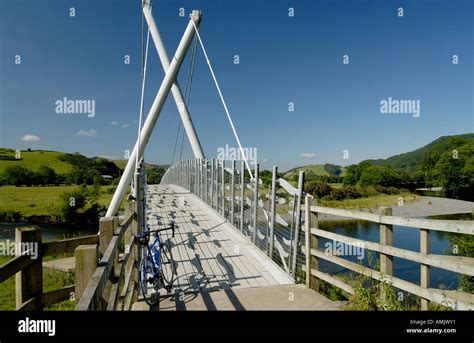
<point x="112" y="282"/>
<point x="464" y="265"/>
<point x="28" y="271"/>
<point x="106" y="267"/>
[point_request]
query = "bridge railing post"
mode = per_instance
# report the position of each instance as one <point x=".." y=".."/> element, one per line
<point x="242" y="189"/>
<point x="424" y="268"/>
<point x="311" y="241"/>
<point x="255" y="205"/>
<point x="297" y="223"/>
<point x="222" y="204"/>
<point x="216" y="186"/>
<point x="232" y="192"/>
<point x="201" y="178"/>
<point x="29" y="280"/>
<point x="107" y="226"/>
<point x="211" y="182"/>
<point x="86" y="257"/>
<point x="386" y="238"/>
<point x="272" y="201"/>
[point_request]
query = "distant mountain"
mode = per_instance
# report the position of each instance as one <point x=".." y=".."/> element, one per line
<point x="410" y="161"/>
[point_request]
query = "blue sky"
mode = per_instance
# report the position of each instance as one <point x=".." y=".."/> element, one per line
<point x="282" y="59"/>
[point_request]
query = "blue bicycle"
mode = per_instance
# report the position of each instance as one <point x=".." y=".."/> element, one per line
<point x="157" y="268"/>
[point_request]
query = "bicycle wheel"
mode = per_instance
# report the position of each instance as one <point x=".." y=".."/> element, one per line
<point x="167" y="266"/>
<point x="145" y="271"/>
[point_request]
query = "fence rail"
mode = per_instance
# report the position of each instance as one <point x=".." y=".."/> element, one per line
<point x="464" y="265"/>
<point x="28" y="271"/>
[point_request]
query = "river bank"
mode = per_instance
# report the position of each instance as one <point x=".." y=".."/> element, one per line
<point x="425" y="206"/>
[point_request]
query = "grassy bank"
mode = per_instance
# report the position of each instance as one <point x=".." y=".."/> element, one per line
<point x="29" y="201"/>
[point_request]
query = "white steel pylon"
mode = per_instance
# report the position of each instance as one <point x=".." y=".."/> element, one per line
<point x="155" y="111"/>
<point x="175" y="90"/>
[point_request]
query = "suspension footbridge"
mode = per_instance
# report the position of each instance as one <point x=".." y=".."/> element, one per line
<point x="240" y="243"/>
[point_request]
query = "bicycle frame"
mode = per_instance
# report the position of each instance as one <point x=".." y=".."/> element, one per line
<point x="154" y="252"/>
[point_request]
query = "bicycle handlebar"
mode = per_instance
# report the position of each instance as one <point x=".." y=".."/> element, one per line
<point x="147" y="233"/>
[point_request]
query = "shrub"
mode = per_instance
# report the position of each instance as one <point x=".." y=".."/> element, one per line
<point x="318" y="189"/>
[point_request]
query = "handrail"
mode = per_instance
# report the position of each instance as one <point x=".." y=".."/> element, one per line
<point x="459" y="264"/>
<point x="103" y="289"/>
<point x="455" y="226"/>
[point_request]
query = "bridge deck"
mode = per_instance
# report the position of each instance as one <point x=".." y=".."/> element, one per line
<point x="211" y="255"/>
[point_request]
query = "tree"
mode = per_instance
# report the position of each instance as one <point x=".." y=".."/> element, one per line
<point x="154" y="176"/>
<point x="352" y="175"/>
<point x="45" y="176"/>
<point x="454" y="171"/>
<point x="18" y="176"/>
<point x="379" y="175"/>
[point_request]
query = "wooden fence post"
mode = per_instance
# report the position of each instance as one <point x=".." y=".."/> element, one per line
<point x="107" y="227"/>
<point x="29" y="281"/>
<point x="386" y="238"/>
<point x="86" y="264"/>
<point x="311" y="241"/>
<point x="424" y="268"/>
<point x="131" y="207"/>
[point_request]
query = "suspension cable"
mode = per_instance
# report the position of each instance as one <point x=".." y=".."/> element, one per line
<point x="187" y="97"/>
<point x="144" y="64"/>
<point x="223" y="101"/>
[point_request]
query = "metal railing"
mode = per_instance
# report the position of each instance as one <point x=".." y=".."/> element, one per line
<point x="267" y="213"/>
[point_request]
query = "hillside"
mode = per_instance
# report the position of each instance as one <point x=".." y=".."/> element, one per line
<point x="122" y="163"/>
<point x="60" y="162"/>
<point x="317" y="169"/>
<point x="409" y="161"/>
<point x="34" y="159"/>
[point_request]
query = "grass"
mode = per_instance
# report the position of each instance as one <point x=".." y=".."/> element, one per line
<point x="41" y="200"/>
<point x="370" y="202"/>
<point x="35" y="159"/>
<point x="318" y="169"/>
<point x="52" y="280"/>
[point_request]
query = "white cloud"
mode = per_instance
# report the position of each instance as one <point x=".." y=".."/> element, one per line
<point x="308" y="155"/>
<point x="90" y="133"/>
<point x="30" y="138"/>
<point x="125" y="125"/>
<point x="114" y="123"/>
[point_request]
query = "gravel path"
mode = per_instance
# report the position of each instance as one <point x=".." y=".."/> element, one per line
<point x="426" y="206"/>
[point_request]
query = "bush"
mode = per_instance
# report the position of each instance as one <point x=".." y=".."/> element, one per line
<point x="80" y="206"/>
<point x="318" y="189"/>
<point x="18" y="176"/>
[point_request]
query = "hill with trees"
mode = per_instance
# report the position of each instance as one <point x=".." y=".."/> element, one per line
<point x="41" y="168"/>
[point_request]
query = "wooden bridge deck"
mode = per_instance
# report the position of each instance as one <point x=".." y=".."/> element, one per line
<point x="212" y="256"/>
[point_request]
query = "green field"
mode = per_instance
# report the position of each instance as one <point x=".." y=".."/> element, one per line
<point x="371" y="202"/>
<point x="41" y="200"/>
<point x="35" y="159"/>
<point x="317" y="169"/>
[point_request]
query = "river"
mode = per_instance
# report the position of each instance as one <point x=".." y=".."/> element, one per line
<point x="403" y="237"/>
<point x="50" y="231"/>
